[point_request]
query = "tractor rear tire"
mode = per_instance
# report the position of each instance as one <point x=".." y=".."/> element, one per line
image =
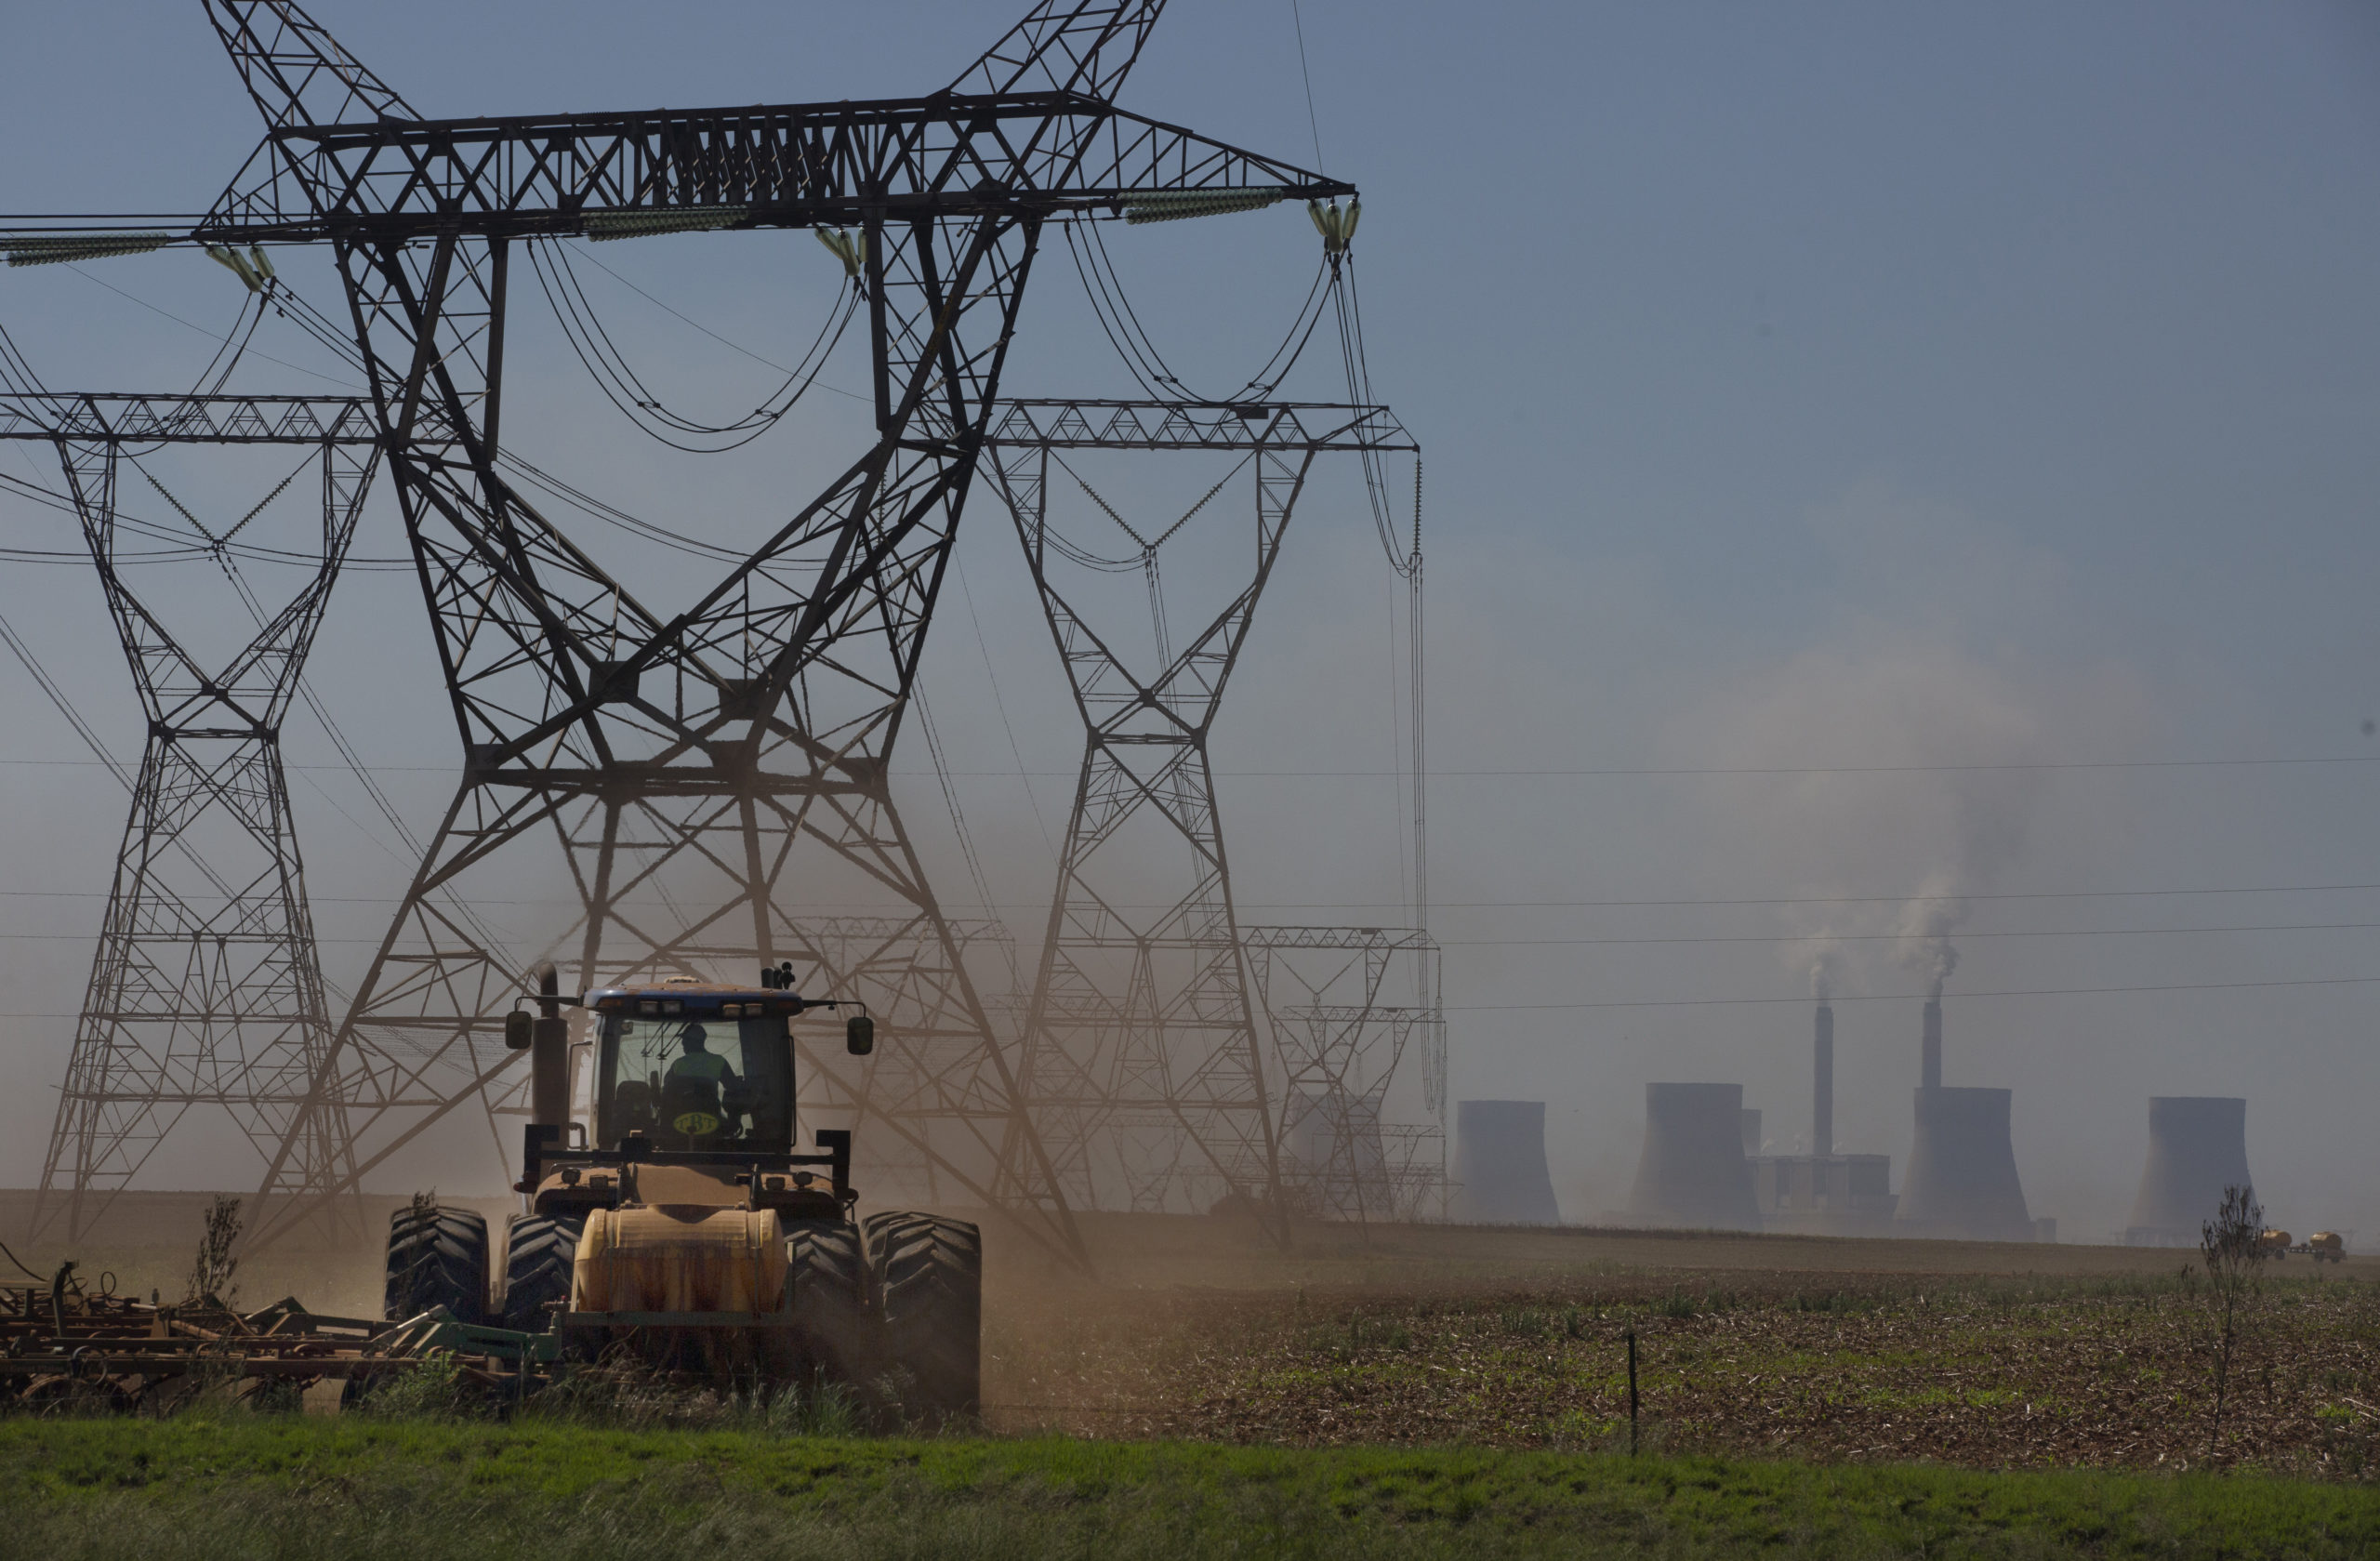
<point x="828" y="1269"/>
<point x="539" y="1254"/>
<point x="928" y="1273"/>
<point x="437" y="1257"/>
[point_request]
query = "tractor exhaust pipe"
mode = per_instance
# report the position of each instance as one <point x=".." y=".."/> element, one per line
<point x="550" y="1057"/>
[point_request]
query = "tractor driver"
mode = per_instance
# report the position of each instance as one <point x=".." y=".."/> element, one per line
<point x="701" y="1062"/>
<point x="701" y="1067"/>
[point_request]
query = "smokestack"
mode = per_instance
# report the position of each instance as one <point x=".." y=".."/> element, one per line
<point x="1961" y="1180"/>
<point x="1930" y="1054"/>
<point x="1499" y="1164"/>
<point x="1693" y="1172"/>
<point x="2198" y="1146"/>
<point x="1822" y="1080"/>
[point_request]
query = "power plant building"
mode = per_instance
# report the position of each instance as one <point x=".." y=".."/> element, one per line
<point x="2198" y="1149"/>
<point x="1499" y="1164"/>
<point x="1823" y="1193"/>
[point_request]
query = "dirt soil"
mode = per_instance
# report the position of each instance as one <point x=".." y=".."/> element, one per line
<point x="1976" y="1354"/>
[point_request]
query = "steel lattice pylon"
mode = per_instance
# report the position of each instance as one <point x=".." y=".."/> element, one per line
<point x="1143" y="1054"/>
<point x="683" y="776"/>
<point x="205" y="990"/>
<point x="1344" y="1046"/>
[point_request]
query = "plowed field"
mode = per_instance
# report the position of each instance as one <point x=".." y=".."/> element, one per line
<point x="1983" y="1356"/>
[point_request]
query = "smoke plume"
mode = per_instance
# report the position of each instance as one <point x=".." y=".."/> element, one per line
<point x="1821" y="956"/>
<point x="1927" y="922"/>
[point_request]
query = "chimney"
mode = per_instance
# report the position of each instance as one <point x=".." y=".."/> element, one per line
<point x="1930" y="1066"/>
<point x="1822" y="1082"/>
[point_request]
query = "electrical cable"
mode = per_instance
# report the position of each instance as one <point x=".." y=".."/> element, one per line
<point x="610" y="514"/>
<point x="958" y="826"/>
<point x="724" y="341"/>
<point x="2260" y="928"/>
<point x="1150" y="375"/>
<point x="1916" y="996"/>
<point x="1148" y="549"/>
<point x="1001" y="707"/>
<point x="620" y="384"/>
<point x="1121" y="324"/>
<point x="1298" y="21"/>
<point x="200" y="329"/>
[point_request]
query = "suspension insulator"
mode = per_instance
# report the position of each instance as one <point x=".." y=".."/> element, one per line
<point x="237" y="264"/>
<point x="45" y="250"/>
<point x="1336" y="225"/>
<point x="640" y="222"/>
<point x="1172" y="206"/>
<point x="850" y="249"/>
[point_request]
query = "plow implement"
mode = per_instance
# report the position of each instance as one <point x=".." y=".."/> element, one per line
<point x="60" y="1346"/>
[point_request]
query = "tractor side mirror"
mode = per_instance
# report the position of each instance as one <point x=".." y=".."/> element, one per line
<point x="859" y="1035"/>
<point x="518" y="1032"/>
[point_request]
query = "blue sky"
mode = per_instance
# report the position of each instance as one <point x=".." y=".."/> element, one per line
<point x="1827" y="385"/>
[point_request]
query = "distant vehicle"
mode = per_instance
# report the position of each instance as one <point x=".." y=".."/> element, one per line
<point x="2323" y="1246"/>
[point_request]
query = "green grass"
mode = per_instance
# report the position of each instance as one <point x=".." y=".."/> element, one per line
<point x="258" y="1486"/>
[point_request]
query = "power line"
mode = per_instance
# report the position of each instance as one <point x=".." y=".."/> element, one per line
<point x="1900" y="937"/>
<point x="201" y="329"/>
<point x="1802" y="999"/>
<point x="1463" y="904"/>
<point x="1917" y="997"/>
<point x="1554" y="943"/>
<point x="1313" y="123"/>
<point x="1438" y="773"/>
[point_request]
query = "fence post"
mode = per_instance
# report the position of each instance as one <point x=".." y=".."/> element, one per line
<point x="1632" y="1393"/>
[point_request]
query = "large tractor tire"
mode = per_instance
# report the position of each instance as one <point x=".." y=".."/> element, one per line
<point x="828" y="1267"/>
<point x="538" y="1252"/>
<point x="437" y="1257"/>
<point x="928" y="1273"/>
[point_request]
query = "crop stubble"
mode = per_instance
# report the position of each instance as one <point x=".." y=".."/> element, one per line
<point x="1983" y="1370"/>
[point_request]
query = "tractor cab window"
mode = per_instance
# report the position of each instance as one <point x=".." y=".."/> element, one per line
<point x="700" y="1081"/>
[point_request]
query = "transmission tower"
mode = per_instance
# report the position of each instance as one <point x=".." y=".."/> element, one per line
<point x="686" y="777"/>
<point x="1345" y="1049"/>
<point x="1142" y="1053"/>
<point x="205" y="991"/>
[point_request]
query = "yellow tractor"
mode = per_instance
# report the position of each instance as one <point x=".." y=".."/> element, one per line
<point x="681" y="1225"/>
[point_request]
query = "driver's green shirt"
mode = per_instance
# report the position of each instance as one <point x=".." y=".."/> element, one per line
<point x="708" y="1066"/>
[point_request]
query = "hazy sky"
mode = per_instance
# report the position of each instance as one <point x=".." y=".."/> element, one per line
<point x="1879" y="391"/>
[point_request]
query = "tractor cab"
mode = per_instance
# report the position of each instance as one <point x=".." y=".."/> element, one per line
<point x="694" y="1068"/>
<point x="694" y="1083"/>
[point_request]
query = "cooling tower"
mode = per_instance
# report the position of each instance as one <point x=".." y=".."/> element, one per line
<point x="1961" y="1179"/>
<point x="2198" y="1146"/>
<point x="1693" y="1172"/>
<point x="1499" y="1164"/>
